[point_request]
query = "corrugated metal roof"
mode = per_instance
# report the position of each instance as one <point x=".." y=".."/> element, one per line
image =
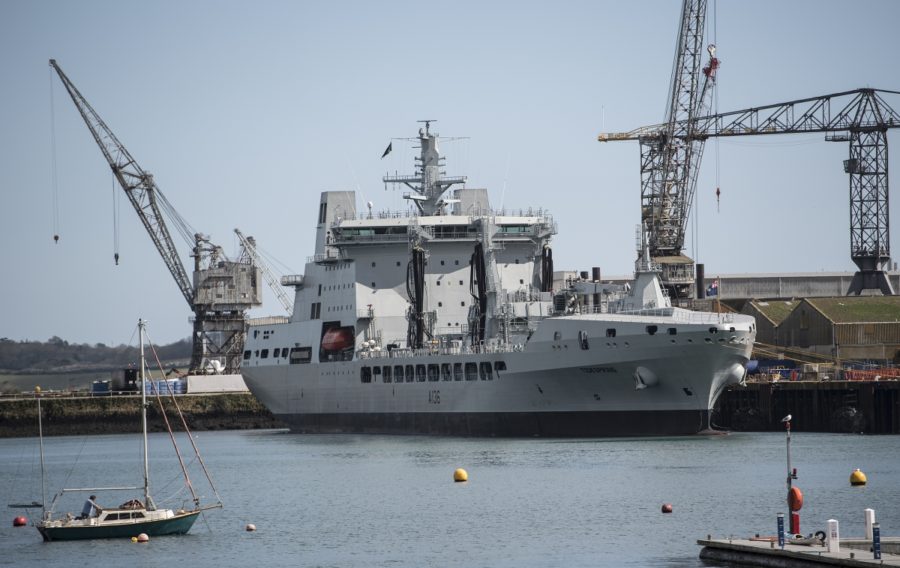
<point x="850" y="309"/>
<point x="775" y="310"/>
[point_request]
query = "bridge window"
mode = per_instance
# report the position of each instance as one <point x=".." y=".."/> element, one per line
<point x="611" y="332"/>
<point x="365" y="374"/>
<point x="446" y="375"/>
<point x="471" y="372"/>
<point x="277" y="352"/>
<point x="246" y="355"/>
<point x="264" y="354"/>
<point x="434" y="373"/>
<point x="499" y="365"/>
<point x="457" y="372"/>
<point x="420" y="373"/>
<point x="673" y="331"/>
<point x="398" y="373"/>
<point x="386" y="374"/>
<point x="487" y="372"/>
<point x="410" y="373"/>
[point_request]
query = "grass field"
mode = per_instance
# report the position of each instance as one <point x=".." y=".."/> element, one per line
<point x="55" y="381"/>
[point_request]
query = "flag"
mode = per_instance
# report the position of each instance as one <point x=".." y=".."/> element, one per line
<point x="388" y="149"/>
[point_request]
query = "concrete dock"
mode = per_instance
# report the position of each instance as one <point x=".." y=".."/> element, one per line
<point x="763" y="552"/>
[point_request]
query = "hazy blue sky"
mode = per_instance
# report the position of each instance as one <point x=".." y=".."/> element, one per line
<point x="245" y="111"/>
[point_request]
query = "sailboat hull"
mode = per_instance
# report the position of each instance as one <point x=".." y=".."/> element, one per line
<point x="178" y="524"/>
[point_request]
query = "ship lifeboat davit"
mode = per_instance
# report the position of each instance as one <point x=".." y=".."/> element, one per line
<point x="338" y="339"/>
<point x="643" y="378"/>
<point x="795" y="499"/>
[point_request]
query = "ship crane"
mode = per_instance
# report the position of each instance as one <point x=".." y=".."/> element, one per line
<point x="221" y="290"/>
<point x="249" y="246"/>
<point x="860" y="117"/>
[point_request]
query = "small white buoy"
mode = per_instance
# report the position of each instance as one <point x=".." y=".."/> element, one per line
<point x="460" y="475"/>
<point x="143" y="537"/>
<point x="250" y="527"/>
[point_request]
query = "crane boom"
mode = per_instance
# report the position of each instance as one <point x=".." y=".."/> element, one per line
<point x="137" y="183"/>
<point x="250" y="248"/>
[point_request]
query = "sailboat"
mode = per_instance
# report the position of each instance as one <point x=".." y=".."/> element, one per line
<point x="133" y="517"/>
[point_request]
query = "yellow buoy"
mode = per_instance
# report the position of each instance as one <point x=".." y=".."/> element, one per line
<point x="460" y="475"/>
<point x="857" y="477"/>
<point x="134" y="539"/>
<point x="37" y="390"/>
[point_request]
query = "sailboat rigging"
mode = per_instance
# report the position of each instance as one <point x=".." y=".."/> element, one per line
<point x="132" y="517"/>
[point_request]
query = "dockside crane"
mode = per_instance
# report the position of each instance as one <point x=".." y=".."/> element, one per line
<point x="670" y="156"/>
<point x="221" y="290"/>
<point x="860" y="117"/>
<point x="249" y="246"/>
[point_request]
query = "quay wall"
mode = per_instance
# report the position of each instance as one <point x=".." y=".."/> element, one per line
<point x="870" y="407"/>
<point x="81" y="415"/>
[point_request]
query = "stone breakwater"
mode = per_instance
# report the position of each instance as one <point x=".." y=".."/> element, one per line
<point x="77" y="416"/>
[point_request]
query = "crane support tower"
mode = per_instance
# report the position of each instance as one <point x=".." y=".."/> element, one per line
<point x="860" y="117"/>
<point x="220" y="292"/>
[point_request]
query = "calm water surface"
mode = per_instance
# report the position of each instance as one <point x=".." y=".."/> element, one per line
<point x="390" y="501"/>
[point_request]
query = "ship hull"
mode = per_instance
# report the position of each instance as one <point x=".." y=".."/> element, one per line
<point x="508" y="424"/>
<point x="179" y="524"/>
<point x="636" y="384"/>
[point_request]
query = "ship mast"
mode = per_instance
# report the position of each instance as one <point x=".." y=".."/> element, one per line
<point x="148" y="501"/>
<point x="428" y="183"/>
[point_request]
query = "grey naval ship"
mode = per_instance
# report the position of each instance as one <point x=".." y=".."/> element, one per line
<point x="446" y="320"/>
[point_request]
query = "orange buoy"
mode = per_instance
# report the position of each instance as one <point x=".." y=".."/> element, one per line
<point x="667" y="508"/>
<point x="20" y="522"/>
<point x="795" y="499"/>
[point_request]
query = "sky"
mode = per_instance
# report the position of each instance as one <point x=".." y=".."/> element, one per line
<point x="245" y="111"/>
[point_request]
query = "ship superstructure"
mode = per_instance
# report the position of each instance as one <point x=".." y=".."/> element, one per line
<point x="445" y="320"/>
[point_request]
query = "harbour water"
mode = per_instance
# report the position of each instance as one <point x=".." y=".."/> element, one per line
<point x="347" y="500"/>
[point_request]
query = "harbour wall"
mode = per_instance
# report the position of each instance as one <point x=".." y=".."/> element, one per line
<point x="870" y="407"/>
<point x="81" y="415"/>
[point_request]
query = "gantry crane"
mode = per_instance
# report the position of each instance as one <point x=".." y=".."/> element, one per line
<point x="860" y="117"/>
<point x="221" y="290"/>
<point x="249" y="245"/>
<point x="670" y="156"/>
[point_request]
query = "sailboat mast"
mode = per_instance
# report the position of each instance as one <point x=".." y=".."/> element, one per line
<point x="41" y="438"/>
<point x="147" y="501"/>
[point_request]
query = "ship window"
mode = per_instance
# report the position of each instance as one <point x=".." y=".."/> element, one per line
<point x="373" y="265"/>
<point x="365" y="374"/>
<point x="434" y="373"/>
<point x="284" y="352"/>
<point x="445" y="372"/>
<point x="323" y="207"/>
<point x="517" y="261"/>
<point x="112" y="516"/>
<point x="499" y="365"/>
<point x="460" y="283"/>
<point x="420" y="373"/>
<point x="471" y="372"/>
<point x="583" y="340"/>
<point x="320" y="289"/>
<point x="373" y="284"/>
<point x="376" y="371"/>
<point x="457" y="372"/>
<point x="137" y="515"/>
<point x="521" y="281"/>
<point x="256" y="353"/>
<point x="442" y="263"/>
<point x="456" y="262"/>
<point x="398" y="263"/>
<point x="438" y="282"/>
<point x="410" y="374"/>
<point x="462" y="303"/>
<point x="611" y="332"/>
<point x="557" y="335"/>
<point x="277" y="352"/>
<point x="714" y="330"/>
<point x="386" y="374"/>
<point x="651" y="329"/>
<point x="264" y="354"/>
<point x="688" y="391"/>
<point x="398" y="373"/>
<point x="246" y="355"/>
<point x="486" y="371"/>
<point x="300" y="355"/>
<point x="673" y="331"/>
<point x="440" y="304"/>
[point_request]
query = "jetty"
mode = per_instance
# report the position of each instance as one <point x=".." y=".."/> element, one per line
<point x="766" y="552"/>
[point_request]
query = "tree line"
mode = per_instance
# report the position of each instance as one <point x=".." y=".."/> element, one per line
<point x="56" y="354"/>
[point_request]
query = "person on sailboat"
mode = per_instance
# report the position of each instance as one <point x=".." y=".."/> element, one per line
<point x="91" y="508"/>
